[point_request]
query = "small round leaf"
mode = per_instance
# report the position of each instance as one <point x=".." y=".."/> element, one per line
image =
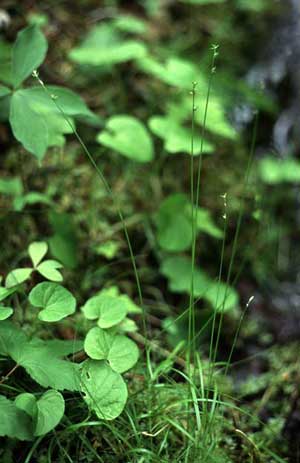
<point x="48" y="269"/>
<point x="17" y="276"/>
<point x="37" y="251"/>
<point x="5" y="312"/>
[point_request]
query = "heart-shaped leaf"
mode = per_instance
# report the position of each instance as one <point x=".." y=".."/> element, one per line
<point x="109" y="310"/>
<point x="37" y="251"/>
<point x="55" y="300"/>
<point x="48" y="269"/>
<point x="121" y="352"/>
<point x="104" y="390"/>
<point x="129" y="137"/>
<point x="46" y="412"/>
<point x="14" y="422"/>
<point x="28" y="53"/>
<point x="17" y="276"/>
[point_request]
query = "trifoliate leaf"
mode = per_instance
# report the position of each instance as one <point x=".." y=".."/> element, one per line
<point x="104" y="390"/>
<point x="129" y="137"/>
<point x="48" y="269"/>
<point x="28" y="53"/>
<point x="55" y="300"/>
<point x="17" y="276"/>
<point x="37" y="251"/>
<point x="121" y="352"/>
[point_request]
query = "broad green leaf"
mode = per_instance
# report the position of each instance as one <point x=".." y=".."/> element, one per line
<point x="45" y="124"/>
<point x="104" y="46"/>
<point x="61" y="348"/>
<point x="50" y="410"/>
<point x="177" y="139"/>
<point x="174" y="223"/>
<point x="275" y="171"/>
<point x="128" y="136"/>
<point x="104" y="390"/>
<point x="48" y="269"/>
<point x="175" y="71"/>
<point x="32" y="130"/>
<point x="121" y="353"/>
<point x="5" y="312"/>
<point x="14" y="422"/>
<point x="178" y="270"/>
<point x="55" y="301"/>
<point x="4" y="91"/>
<point x="46" y="412"/>
<point x="41" y="362"/>
<point x="28" y="53"/>
<point x="37" y="251"/>
<point x="109" y="310"/>
<point x="17" y="276"/>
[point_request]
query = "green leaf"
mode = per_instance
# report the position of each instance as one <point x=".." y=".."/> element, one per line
<point x="178" y="270"/>
<point x="61" y="348"/>
<point x="50" y="410"/>
<point x="27" y="403"/>
<point x="130" y="24"/>
<point x="55" y="300"/>
<point x="121" y="353"/>
<point x="128" y="136"/>
<point x="48" y="269"/>
<point x="41" y="362"/>
<point x="104" y="390"/>
<point x="17" y="276"/>
<point x="109" y="310"/>
<point x="275" y="171"/>
<point x="108" y="249"/>
<point x="34" y="197"/>
<point x="37" y="251"/>
<point x="175" y="71"/>
<point x="5" y="312"/>
<point x="203" y="2"/>
<point x="46" y="412"/>
<point x="63" y="244"/>
<point x="177" y="139"/>
<point x="45" y="124"/>
<point x="28" y="53"/>
<point x="4" y="91"/>
<point x="104" y="46"/>
<point x="32" y="130"/>
<point x="174" y="223"/>
<point x="4" y="292"/>
<point x="14" y="422"/>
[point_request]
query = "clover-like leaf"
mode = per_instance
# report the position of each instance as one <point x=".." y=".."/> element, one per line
<point x="17" y="276"/>
<point x="55" y="300"/>
<point x="129" y="137"/>
<point x="104" y="389"/>
<point x="5" y="312"/>
<point x="48" y="269"/>
<point x="28" y="53"/>
<point x="121" y="352"/>
<point x="37" y="251"/>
